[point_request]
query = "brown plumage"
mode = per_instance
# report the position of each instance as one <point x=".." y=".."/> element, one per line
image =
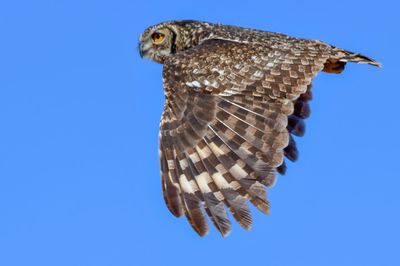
<point x="235" y="100"/>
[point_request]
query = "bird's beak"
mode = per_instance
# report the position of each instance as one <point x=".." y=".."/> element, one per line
<point x="140" y="50"/>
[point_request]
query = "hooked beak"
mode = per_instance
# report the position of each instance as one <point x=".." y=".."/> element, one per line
<point x="140" y="50"/>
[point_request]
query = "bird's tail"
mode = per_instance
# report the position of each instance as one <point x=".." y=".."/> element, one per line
<point x="339" y="58"/>
<point x="347" y="56"/>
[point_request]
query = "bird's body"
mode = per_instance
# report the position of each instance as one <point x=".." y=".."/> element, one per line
<point x="235" y="98"/>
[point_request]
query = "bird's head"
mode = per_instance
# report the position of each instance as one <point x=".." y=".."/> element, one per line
<point x="162" y="40"/>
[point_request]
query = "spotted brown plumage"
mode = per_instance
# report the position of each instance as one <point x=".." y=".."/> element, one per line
<point x="235" y="100"/>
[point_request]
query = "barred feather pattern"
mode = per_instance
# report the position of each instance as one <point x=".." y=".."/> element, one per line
<point x="236" y="99"/>
<point x="222" y="144"/>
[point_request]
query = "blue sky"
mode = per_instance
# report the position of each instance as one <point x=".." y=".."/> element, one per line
<point x="79" y="115"/>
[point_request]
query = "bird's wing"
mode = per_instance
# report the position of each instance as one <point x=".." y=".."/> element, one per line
<point x="231" y="110"/>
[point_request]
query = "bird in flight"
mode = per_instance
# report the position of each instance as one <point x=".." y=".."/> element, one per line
<point x="235" y="100"/>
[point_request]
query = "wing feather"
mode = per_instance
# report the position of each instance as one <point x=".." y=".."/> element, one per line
<point x="192" y="197"/>
<point x="234" y="201"/>
<point x="239" y="170"/>
<point x="230" y="116"/>
<point x="212" y="197"/>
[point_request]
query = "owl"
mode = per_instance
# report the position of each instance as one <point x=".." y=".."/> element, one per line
<point x="236" y="98"/>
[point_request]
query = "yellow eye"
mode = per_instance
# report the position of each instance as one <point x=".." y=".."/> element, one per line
<point x="157" y="37"/>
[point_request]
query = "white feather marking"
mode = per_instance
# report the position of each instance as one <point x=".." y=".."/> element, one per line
<point x="220" y="71"/>
<point x="202" y="180"/>
<point x="219" y="195"/>
<point x="194" y="157"/>
<point x="203" y="153"/>
<point x="220" y="181"/>
<point x="235" y="185"/>
<point x="238" y="66"/>
<point x="238" y="172"/>
<point x="214" y="84"/>
<point x="185" y="184"/>
<point x="171" y="164"/>
<point x="258" y="74"/>
<point x="221" y="169"/>
<point x="193" y="84"/>
<point x="147" y="46"/>
<point x="270" y="64"/>
<point x="216" y="149"/>
<point x="183" y="163"/>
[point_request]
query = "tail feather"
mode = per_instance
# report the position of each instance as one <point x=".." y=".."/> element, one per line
<point x="347" y="56"/>
<point x="362" y="59"/>
<point x="339" y="57"/>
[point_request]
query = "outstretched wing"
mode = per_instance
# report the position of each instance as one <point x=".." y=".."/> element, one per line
<point x="228" y="121"/>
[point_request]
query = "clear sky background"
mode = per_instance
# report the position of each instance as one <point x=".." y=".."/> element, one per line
<point x="79" y="117"/>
